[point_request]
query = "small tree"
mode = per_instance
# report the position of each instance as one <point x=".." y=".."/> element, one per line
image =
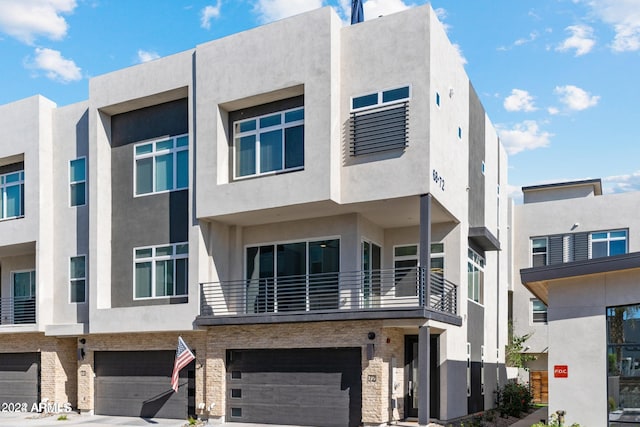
<point x="514" y="350"/>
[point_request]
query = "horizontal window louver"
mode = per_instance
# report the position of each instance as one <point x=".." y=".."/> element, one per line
<point x="379" y="129"/>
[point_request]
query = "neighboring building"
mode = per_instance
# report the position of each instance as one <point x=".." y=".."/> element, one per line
<point x="577" y="255"/>
<point x="314" y="229"/>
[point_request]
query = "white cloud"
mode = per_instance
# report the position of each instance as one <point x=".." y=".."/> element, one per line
<point x="524" y="136"/>
<point x="27" y="19"/>
<point x="519" y="100"/>
<point x="575" y="98"/>
<point x="553" y="110"/>
<point x="208" y="13"/>
<point x="55" y="66"/>
<point x="624" y="17"/>
<point x="532" y="36"/>
<point x="461" y="57"/>
<point x="376" y="8"/>
<point x="146" y="56"/>
<point x="622" y="183"/>
<point x="581" y="40"/>
<point x="272" y="10"/>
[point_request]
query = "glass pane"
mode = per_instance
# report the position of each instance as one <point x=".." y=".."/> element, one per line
<point x="249" y="125"/>
<point x="182" y="276"/>
<point x="78" y="194"/>
<point x="395" y="94"/>
<point x="164" y="145"/>
<point x="144" y="176"/>
<point x="539" y="260"/>
<point x="595" y="236"/>
<point x="291" y="283"/>
<point x="164" y="172"/>
<point x="618" y="247"/>
<point x="539" y="243"/>
<point x="364" y="101"/>
<point x="77" y="170"/>
<point x="538" y="305"/>
<point x="144" y="253"/>
<point x="437" y="248"/>
<point x="406" y="250"/>
<point x="294" y="147"/>
<point x="143" y="279"/>
<point x="164" y="251"/>
<point x="22" y="284"/>
<point x="293" y="116"/>
<point x="618" y="234"/>
<point x="271" y="151"/>
<point x="324" y="265"/>
<point x="598" y="249"/>
<point x="182" y="141"/>
<point x="13" y="203"/>
<point x="406" y="279"/>
<point x="182" y="174"/>
<point x="78" y="291"/>
<point x="77" y="270"/>
<point x="246" y="155"/>
<point x="12" y="177"/>
<point x="164" y="278"/>
<point x="182" y="248"/>
<point x="144" y="149"/>
<point x="273" y="120"/>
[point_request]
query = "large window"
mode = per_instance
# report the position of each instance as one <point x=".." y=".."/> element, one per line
<point x="12" y="195"/>
<point x="77" y="279"/>
<point x="162" y="165"/>
<point x="269" y="143"/>
<point x="405" y="263"/>
<point x="296" y="276"/>
<point x="608" y="243"/>
<point x="78" y="182"/>
<point x="161" y="271"/>
<point x="539" y="251"/>
<point x="538" y="311"/>
<point x="475" y="270"/>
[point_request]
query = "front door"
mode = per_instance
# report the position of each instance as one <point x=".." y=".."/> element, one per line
<point x="24" y="296"/>
<point x="412" y="388"/>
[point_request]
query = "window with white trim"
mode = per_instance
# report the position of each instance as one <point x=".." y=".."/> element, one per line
<point x="539" y="247"/>
<point x="608" y="243"/>
<point x="78" y="182"/>
<point x="405" y="263"/>
<point x="270" y="143"/>
<point x="538" y="311"/>
<point x="12" y="195"/>
<point x="381" y="98"/>
<point x="475" y="270"/>
<point x="77" y="279"/>
<point x="161" y="165"/>
<point x="161" y="271"/>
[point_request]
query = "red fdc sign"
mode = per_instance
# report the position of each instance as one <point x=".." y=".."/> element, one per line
<point x="561" y="371"/>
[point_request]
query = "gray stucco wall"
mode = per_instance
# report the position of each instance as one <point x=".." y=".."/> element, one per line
<point x="475" y="335"/>
<point x="154" y="219"/>
<point x="476" y="157"/>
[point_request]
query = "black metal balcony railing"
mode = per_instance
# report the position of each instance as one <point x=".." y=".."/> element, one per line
<point x="17" y="310"/>
<point x="403" y="288"/>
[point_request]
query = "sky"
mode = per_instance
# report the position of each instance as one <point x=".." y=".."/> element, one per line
<point x="559" y="79"/>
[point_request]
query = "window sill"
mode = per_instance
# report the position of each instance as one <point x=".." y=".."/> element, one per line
<point x="156" y="193"/>
<point x="262" y="175"/>
<point x="11" y="218"/>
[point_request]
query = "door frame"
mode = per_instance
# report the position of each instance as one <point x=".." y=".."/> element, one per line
<point x="434" y="386"/>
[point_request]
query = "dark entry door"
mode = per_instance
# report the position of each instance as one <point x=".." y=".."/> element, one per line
<point x="412" y="387"/>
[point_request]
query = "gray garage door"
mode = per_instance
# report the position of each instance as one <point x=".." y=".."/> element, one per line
<point x="138" y="384"/>
<point x="315" y="387"/>
<point x="20" y="378"/>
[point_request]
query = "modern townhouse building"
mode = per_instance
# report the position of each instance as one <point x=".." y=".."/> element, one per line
<point x="320" y="220"/>
<point x="577" y="255"/>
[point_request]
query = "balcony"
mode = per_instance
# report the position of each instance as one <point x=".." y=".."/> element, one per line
<point x="376" y="294"/>
<point x="17" y="310"/>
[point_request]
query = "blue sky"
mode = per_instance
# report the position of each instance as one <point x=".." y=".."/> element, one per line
<point x="558" y="78"/>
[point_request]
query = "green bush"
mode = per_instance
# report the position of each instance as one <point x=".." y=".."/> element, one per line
<point x="514" y="400"/>
<point x="554" y="422"/>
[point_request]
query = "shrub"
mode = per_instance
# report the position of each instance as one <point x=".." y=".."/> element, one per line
<point x="514" y="399"/>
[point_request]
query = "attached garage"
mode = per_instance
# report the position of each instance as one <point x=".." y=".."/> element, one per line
<point x="295" y="386"/>
<point x="138" y="384"/>
<point x="20" y="378"/>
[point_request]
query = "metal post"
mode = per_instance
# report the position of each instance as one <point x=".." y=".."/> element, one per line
<point x="423" y="375"/>
<point x="425" y="246"/>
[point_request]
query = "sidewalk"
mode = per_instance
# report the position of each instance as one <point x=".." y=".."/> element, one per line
<point x="535" y="417"/>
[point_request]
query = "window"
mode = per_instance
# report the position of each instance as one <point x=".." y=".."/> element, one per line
<point x="162" y="165"/>
<point x="459" y="132"/>
<point x="77" y="279"/>
<point x="269" y="143"/>
<point x="383" y="97"/>
<point x="483" y="167"/>
<point x="475" y="270"/>
<point x="437" y="99"/>
<point x="12" y="195"/>
<point x="538" y="311"/>
<point x="405" y="263"/>
<point x="623" y="322"/>
<point x="161" y="271"/>
<point x="77" y="182"/>
<point x="539" y="251"/>
<point x="608" y="243"/>
<point x="468" y="369"/>
<point x="24" y="296"/>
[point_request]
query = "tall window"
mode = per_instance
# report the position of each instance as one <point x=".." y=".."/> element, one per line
<point x="162" y="165"/>
<point x="12" y="195"/>
<point x="405" y="263"/>
<point x="24" y="296"/>
<point x="608" y="243"/>
<point x="161" y="271"/>
<point x="539" y="251"/>
<point x="475" y="270"/>
<point x="77" y="182"/>
<point x="538" y="311"/>
<point x="269" y="143"/>
<point x="77" y="279"/>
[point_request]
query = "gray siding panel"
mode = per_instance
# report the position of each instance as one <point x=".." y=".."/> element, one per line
<point x="581" y="246"/>
<point x="555" y="250"/>
<point x="170" y="118"/>
<point x="475" y="334"/>
<point x="476" y="157"/>
<point x="20" y="378"/>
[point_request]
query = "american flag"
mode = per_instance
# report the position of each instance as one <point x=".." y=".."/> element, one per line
<point x="183" y="357"/>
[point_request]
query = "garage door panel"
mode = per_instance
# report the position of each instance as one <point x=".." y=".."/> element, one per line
<point x="298" y="394"/>
<point x="296" y="415"/>
<point x="289" y="378"/>
<point x="20" y="377"/>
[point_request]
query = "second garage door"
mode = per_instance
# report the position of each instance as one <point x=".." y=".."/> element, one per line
<point x="20" y="378"/>
<point x="138" y="384"/>
<point x="315" y="387"/>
